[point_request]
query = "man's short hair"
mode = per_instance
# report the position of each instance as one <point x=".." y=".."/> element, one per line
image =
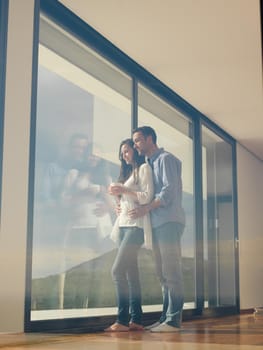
<point x="77" y="137"/>
<point x="147" y="131"/>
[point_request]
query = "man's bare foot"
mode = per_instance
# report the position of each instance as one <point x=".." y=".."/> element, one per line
<point x="135" y="327"/>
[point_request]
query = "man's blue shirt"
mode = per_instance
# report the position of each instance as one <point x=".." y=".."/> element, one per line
<point x="167" y="177"/>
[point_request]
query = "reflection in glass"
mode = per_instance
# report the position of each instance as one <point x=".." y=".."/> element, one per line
<point x="82" y="114"/>
<point x="219" y="250"/>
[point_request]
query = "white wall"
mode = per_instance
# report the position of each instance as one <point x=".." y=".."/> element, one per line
<point x="208" y="51"/>
<point x="250" y="223"/>
<point x="13" y="233"/>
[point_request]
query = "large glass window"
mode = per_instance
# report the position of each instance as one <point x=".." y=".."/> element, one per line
<point x="83" y="111"/>
<point x="174" y="134"/>
<point x="219" y="233"/>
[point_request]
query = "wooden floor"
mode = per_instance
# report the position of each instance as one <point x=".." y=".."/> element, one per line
<point x="225" y="333"/>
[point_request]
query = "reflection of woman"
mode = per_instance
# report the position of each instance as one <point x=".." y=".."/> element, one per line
<point x="135" y="187"/>
<point x="90" y="223"/>
<point x="87" y="201"/>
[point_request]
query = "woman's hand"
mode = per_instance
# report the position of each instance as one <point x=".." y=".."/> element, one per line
<point x="116" y="189"/>
<point x="118" y="209"/>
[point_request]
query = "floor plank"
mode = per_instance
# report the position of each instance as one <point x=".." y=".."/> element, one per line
<point x="242" y="332"/>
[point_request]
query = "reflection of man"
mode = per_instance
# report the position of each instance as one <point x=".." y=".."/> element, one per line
<point x="77" y="147"/>
<point x="53" y="180"/>
<point x="75" y="221"/>
<point x="167" y="218"/>
<point x="89" y="225"/>
<point x="86" y="198"/>
<point x="51" y="219"/>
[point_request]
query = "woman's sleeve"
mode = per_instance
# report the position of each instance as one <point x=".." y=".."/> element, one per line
<point x="145" y="195"/>
<point x="70" y="179"/>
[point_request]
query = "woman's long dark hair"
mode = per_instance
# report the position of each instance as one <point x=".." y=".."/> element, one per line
<point x="127" y="169"/>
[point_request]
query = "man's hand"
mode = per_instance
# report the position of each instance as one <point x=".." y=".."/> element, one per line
<point x="144" y="209"/>
<point x="138" y="212"/>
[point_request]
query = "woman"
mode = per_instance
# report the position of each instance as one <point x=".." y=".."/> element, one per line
<point x="135" y="187"/>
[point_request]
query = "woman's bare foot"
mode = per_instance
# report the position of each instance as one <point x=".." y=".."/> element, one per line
<point x="117" y="327"/>
<point x="135" y="327"/>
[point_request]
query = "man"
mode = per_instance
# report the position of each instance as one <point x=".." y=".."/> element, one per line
<point x="168" y="221"/>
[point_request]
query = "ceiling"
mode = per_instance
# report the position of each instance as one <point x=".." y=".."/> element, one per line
<point x="207" y="51"/>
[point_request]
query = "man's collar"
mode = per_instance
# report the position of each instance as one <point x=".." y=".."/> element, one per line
<point x="155" y="155"/>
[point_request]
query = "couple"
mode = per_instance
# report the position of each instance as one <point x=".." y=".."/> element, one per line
<point x="153" y="188"/>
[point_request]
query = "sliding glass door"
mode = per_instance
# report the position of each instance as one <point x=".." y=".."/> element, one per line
<point x="220" y="242"/>
<point x="83" y="111"/>
<point x="174" y="133"/>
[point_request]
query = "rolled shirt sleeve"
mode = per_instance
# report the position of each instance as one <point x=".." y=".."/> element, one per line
<point x="171" y="184"/>
<point x="145" y="195"/>
<point x="167" y="176"/>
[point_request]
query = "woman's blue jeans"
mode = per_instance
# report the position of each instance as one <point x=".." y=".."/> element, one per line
<point x="125" y="274"/>
<point x="168" y="261"/>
